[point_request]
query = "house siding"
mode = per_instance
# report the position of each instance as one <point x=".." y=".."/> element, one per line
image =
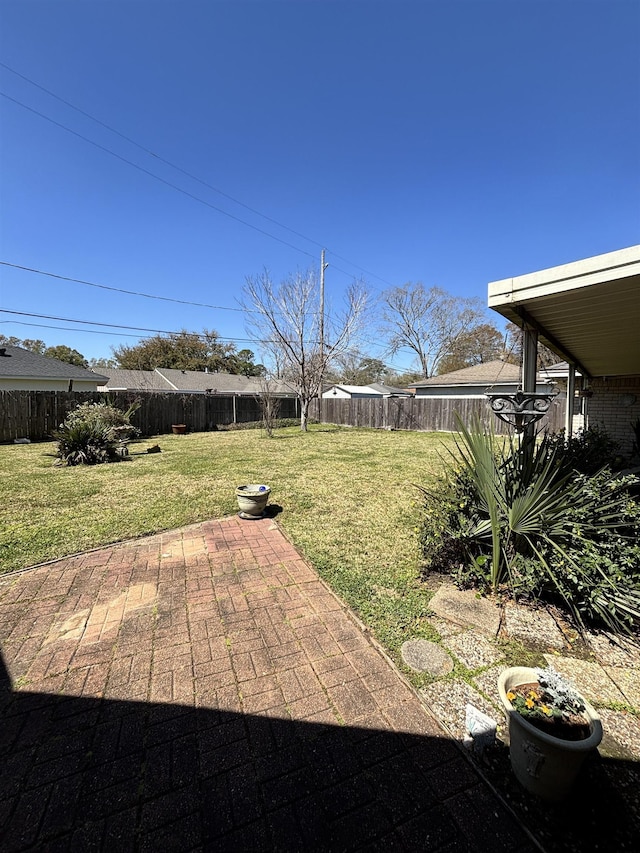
<point x="470" y="392"/>
<point x="10" y="383"/>
<point x="614" y="406"/>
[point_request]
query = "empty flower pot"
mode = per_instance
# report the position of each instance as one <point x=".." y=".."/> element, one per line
<point x="252" y="500"/>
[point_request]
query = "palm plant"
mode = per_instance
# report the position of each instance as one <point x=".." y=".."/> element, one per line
<point x="526" y="502"/>
<point x="84" y="443"/>
<point x="94" y="433"/>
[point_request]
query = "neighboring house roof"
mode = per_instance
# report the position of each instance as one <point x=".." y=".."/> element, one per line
<point x="555" y="371"/>
<point x="189" y="381"/>
<point x="18" y="363"/>
<point x="588" y="312"/>
<point x="389" y="391"/>
<point x="133" y="380"/>
<point x="220" y="383"/>
<point x="488" y="373"/>
<point x="366" y="390"/>
<point x="196" y="380"/>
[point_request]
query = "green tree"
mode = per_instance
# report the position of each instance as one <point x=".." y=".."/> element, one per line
<point x="361" y="370"/>
<point x="36" y="346"/>
<point x="185" y="351"/>
<point x="66" y="354"/>
<point x="405" y="380"/>
<point x="243" y="363"/>
<point x="97" y="363"/>
<point x="480" y="344"/>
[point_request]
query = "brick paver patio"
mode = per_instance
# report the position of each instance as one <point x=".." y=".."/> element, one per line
<point x="204" y="690"/>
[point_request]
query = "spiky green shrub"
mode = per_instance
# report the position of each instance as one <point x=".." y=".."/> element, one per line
<point x="516" y="517"/>
<point x="94" y="433"/>
<point x="85" y="443"/>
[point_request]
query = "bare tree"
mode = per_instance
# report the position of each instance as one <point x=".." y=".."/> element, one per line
<point x="269" y="403"/>
<point x="546" y="357"/>
<point x="427" y="321"/>
<point x="287" y="318"/>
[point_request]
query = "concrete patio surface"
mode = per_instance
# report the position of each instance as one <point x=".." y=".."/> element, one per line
<point x="203" y="689"/>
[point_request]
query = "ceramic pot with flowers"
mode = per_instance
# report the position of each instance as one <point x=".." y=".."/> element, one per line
<point x="552" y="729"/>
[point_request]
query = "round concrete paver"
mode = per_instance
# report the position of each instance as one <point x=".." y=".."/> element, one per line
<point x="424" y="656"/>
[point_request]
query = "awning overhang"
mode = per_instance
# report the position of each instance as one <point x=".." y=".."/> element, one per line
<point x="588" y="312"/>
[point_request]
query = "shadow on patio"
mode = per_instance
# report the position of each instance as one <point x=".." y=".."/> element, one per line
<point x="92" y="774"/>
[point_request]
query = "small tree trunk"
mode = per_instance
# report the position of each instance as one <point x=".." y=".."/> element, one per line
<point x="304" y="414"/>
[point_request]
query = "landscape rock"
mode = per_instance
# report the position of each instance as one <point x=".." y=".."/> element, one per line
<point x="423" y="656"/>
<point x="465" y="608"/>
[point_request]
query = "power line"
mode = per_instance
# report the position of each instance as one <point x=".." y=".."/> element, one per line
<point x="178" y="188"/>
<point x="120" y="289"/>
<point x="75" y="331"/>
<point x="118" y="326"/>
<point x="187" y="173"/>
<point x="128" y="335"/>
<point x="134" y="328"/>
<point x="128" y="292"/>
<point x="158" y="156"/>
<point x="153" y="175"/>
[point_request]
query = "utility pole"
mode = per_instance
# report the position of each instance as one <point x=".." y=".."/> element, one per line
<point x="323" y="267"/>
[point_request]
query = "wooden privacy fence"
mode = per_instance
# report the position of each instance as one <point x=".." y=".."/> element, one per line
<point x="420" y="413"/>
<point x="35" y="414"/>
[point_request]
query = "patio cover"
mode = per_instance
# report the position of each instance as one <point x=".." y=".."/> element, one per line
<point x="588" y="312"/>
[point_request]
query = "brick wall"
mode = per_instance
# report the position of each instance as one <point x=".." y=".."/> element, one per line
<point x="615" y="405"/>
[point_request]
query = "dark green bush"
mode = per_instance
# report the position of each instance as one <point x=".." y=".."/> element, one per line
<point x="518" y="518"/>
<point x="588" y="451"/>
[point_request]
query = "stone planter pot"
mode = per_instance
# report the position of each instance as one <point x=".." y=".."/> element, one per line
<point x="178" y="429"/>
<point x="252" y="500"/>
<point x="545" y="765"/>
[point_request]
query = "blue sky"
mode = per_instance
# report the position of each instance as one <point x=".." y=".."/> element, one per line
<point x="452" y="143"/>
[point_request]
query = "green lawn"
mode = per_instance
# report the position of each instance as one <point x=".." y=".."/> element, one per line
<point x="348" y="499"/>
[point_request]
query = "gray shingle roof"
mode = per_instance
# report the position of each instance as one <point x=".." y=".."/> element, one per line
<point x="135" y="380"/>
<point x="194" y="381"/>
<point x="479" y="374"/>
<point x="388" y="389"/>
<point x="18" y="363"/>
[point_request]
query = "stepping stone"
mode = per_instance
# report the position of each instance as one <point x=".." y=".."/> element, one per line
<point x="624" y="729"/>
<point x="588" y="678"/>
<point x="627" y="680"/>
<point x="423" y="656"/>
<point x="464" y="608"/>
<point x="473" y="649"/>
<point x="533" y="627"/>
